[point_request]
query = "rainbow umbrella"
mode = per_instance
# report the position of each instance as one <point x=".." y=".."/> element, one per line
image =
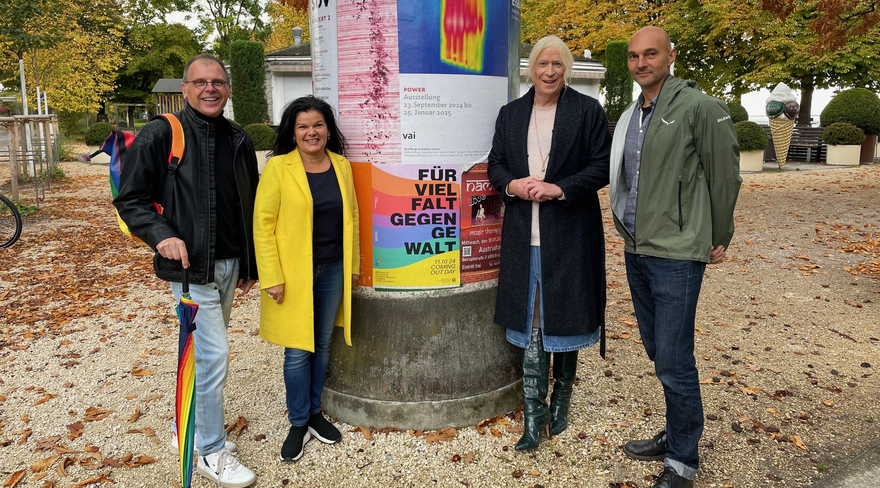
<point x="185" y="402"/>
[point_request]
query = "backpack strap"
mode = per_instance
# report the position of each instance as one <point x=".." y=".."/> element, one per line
<point x="174" y="158"/>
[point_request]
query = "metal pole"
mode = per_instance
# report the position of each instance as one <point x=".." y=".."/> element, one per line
<point x="24" y="110"/>
<point x="13" y="159"/>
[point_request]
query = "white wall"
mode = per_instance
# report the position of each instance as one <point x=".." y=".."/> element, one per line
<point x="286" y="87"/>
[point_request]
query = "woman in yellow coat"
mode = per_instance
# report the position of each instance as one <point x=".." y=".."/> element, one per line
<point x="306" y="240"/>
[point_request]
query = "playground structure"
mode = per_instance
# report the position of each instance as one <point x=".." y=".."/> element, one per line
<point x="32" y="151"/>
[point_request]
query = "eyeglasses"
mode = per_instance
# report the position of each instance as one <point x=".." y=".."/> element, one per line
<point x="217" y="84"/>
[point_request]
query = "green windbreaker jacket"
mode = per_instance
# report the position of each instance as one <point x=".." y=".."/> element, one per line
<point x="688" y="179"/>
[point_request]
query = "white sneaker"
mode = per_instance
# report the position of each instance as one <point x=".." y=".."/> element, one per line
<point x="175" y="445"/>
<point x="224" y="469"/>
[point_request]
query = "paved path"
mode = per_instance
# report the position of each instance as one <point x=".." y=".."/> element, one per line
<point x="861" y="472"/>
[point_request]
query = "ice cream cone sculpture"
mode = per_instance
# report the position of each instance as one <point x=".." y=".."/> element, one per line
<point x="782" y="108"/>
<point x="781" y="129"/>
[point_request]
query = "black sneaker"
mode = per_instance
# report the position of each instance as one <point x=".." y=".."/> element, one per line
<point x="323" y="430"/>
<point x="293" y="446"/>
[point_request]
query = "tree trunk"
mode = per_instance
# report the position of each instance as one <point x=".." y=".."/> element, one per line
<point x="806" y="103"/>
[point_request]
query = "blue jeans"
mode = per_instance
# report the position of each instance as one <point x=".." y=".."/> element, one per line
<point x="304" y="371"/>
<point x="665" y="293"/>
<point x="212" y="351"/>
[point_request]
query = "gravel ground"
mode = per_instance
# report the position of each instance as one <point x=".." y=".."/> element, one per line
<point x="787" y="347"/>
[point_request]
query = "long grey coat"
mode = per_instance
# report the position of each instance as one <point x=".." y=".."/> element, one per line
<point x="572" y="240"/>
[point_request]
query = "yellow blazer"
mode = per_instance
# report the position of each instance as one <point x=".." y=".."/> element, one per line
<point x="283" y="215"/>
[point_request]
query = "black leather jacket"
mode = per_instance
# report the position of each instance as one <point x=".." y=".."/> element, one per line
<point x="190" y="206"/>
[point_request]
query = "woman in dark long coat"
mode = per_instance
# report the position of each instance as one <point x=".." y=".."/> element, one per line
<point x="549" y="158"/>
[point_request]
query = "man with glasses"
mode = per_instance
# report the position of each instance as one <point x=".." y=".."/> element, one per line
<point x="207" y="228"/>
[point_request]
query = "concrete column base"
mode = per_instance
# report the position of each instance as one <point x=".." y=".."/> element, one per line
<point x="423" y="360"/>
<point x="458" y="412"/>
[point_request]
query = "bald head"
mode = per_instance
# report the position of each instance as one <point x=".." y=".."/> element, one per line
<point x="649" y="57"/>
<point x="659" y="36"/>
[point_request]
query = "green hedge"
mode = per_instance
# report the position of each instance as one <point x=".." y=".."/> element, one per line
<point x="97" y="133"/>
<point x="858" y="106"/>
<point x="618" y="82"/>
<point x="843" y="134"/>
<point x="750" y="136"/>
<point x="248" y="82"/>
<point x="262" y="135"/>
<point x="738" y="113"/>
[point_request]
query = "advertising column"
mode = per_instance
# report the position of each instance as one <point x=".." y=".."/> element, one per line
<point x="418" y="85"/>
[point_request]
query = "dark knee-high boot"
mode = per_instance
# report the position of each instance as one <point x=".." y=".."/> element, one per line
<point x="536" y="368"/>
<point x="564" y="372"/>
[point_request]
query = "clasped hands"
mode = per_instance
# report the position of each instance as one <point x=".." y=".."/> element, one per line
<point x="534" y="188"/>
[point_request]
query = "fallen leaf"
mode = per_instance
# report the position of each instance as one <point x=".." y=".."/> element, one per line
<point x="91" y="481"/>
<point x="827" y="403"/>
<point x="441" y="435"/>
<point x="24" y="435"/>
<point x="798" y="443"/>
<point x="76" y="430"/>
<point x="468" y="458"/>
<point x="14" y="479"/>
<point x="61" y="469"/>
<point x="135" y="415"/>
<point x="46" y="398"/>
<point x="365" y="431"/>
<point x="495" y="432"/>
<point x="93" y="414"/>
<point x="44" y="464"/>
<point x="140" y="461"/>
<point x="141" y="372"/>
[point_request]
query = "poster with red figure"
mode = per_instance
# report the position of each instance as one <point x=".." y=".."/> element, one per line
<point x="482" y="213"/>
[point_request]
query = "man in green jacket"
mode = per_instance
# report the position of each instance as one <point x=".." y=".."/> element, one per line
<point x="674" y="184"/>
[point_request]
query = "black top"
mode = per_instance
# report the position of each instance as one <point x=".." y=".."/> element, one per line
<point x="228" y="244"/>
<point x="327" y="214"/>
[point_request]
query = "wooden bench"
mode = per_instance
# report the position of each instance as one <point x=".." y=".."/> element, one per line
<point x="806" y="145"/>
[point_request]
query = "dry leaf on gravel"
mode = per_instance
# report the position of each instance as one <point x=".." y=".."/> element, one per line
<point x="442" y="435"/>
<point x="46" y="398"/>
<point x="76" y="430"/>
<point x="93" y="414"/>
<point x="14" y="479"/>
<point x="238" y="426"/>
<point x="44" y="464"/>
<point x="135" y="415"/>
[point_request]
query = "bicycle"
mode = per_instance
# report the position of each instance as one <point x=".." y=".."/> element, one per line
<point x="10" y="222"/>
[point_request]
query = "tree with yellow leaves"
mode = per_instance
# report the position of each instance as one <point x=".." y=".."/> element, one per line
<point x="76" y="70"/>
<point x="283" y="16"/>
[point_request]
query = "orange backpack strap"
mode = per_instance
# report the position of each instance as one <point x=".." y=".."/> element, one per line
<point x="174" y="159"/>
<point x="177" y="141"/>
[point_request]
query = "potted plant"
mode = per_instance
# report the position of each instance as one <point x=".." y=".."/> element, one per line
<point x="94" y="138"/>
<point x="861" y="108"/>
<point x="738" y="113"/>
<point x="752" y="141"/>
<point x="844" y="143"/>
<point x="263" y="136"/>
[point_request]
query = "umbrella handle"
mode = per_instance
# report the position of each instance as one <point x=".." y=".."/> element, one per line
<point x="185" y="281"/>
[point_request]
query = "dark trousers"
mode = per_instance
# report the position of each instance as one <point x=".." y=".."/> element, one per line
<point x="665" y="293"/>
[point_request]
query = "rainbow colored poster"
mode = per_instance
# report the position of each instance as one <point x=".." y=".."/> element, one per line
<point x="416" y="217"/>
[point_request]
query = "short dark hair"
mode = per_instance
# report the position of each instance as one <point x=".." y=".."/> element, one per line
<point x="286" y="142"/>
<point x="207" y="58"/>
